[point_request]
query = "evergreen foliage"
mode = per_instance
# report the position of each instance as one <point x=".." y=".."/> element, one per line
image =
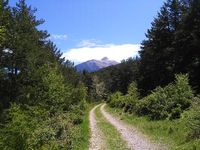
<point x="118" y="77"/>
<point x="42" y="97"/>
<point x="168" y="102"/>
<point x="194" y="121"/>
<point x="171" y="46"/>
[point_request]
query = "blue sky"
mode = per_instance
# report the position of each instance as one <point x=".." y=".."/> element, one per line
<point x="82" y="26"/>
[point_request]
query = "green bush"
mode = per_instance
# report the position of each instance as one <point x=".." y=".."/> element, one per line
<point x="115" y="100"/>
<point x="176" y="113"/>
<point x="131" y="98"/>
<point x="128" y="102"/>
<point x="194" y="121"/>
<point x="156" y="104"/>
<point x="141" y="108"/>
<point x="31" y="127"/>
<point x="76" y="114"/>
<point x="168" y="102"/>
<point x="179" y="93"/>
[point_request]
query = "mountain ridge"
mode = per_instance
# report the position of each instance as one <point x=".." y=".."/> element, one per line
<point x="95" y="65"/>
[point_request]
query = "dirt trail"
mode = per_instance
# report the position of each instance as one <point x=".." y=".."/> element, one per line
<point x="134" y="139"/>
<point x="96" y="141"/>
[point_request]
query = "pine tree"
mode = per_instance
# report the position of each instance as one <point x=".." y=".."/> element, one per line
<point x="26" y="49"/>
<point x="5" y="53"/>
<point x="157" y="62"/>
<point x="187" y="39"/>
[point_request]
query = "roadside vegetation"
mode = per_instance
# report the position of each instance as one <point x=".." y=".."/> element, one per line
<point x="82" y="142"/>
<point x="42" y="99"/>
<point x="174" y="134"/>
<point x="163" y="103"/>
<point x="169" y="114"/>
<point x="159" y="91"/>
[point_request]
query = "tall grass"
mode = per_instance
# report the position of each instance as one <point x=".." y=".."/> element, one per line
<point x="81" y="140"/>
<point x="173" y="133"/>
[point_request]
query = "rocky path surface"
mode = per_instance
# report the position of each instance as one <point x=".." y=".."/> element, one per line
<point x="96" y="140"/>
<point x="134" y="139"/>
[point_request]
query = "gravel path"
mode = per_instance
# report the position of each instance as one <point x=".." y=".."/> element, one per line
<point x="96" y="142"/>
<point x="134" y="139"/>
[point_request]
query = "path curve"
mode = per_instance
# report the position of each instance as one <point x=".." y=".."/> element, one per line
<point x="134" y="139"/>
<point x="96" y="142"/>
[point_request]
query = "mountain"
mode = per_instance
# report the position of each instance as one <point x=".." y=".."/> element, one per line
<point x="95" y="65"/>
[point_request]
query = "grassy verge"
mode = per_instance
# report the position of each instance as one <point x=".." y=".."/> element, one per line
<point x="173" y="133"/>
<point x="112" y="136"/>
<point x="82" y="142"/>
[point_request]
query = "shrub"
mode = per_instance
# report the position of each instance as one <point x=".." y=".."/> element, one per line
<point x="141" y="108"/>
<point x="133" y="91"/>
<point x="170" y="101"/>
<point x="162" y="103"/>
<point x="128" y="102"/>
<point x="14" y="134"/>
<point x="175" y="113"/>
<point x="180" y="93"/>
<point x="194" y="121"/>
<point x="33" y="127"/>
<point x="156" y="104"/>
<point x="131" y="98"/>
<point x="115" y="100"/>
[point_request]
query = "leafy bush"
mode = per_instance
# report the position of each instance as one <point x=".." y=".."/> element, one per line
<point x="194" y="122"/>
<point x="40" y="91"/>
<point x="162" y="103"/>
<point x="131" y="98"/>
<point x="52" y="91"/>
<point x="180" y="93"/>
<point x="176" y="112"/>
<point x="141" y="108"/>
<point x="169" y="101"/>
<point x="36" y="128"/>
<point x="115" y="100"/>
<point x="128" y="102"/>
<point x="79" y="94"/>
<point x="155" y="104"/>
<point x="50" y="117"/>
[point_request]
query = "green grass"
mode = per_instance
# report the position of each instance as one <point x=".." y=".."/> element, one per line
<point x="111" y="135"/>
<point x="82" y="142"/>
<point x="172" y="133"/>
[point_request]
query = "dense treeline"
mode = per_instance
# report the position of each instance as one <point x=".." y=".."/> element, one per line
<point x="118" y="77"/>
<point x="106" y="81"/>
<point x="171" y="47"/>
<point x="165" y="77"/>
<point x="42" y="99"/>
<point x="96" y="88"/>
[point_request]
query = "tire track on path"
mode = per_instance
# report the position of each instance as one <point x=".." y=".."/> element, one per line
<point x="96" y="141"/>
<point x="134" y="139"/>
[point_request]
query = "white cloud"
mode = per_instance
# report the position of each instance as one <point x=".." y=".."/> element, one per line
<point x="112" y="51"/>
<point x="59" y="36"/>
<point x="89" y="43"/>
